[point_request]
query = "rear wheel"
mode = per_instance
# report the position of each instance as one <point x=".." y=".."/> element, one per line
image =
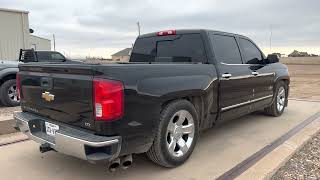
<point x="9" y="94"/>
<point x="176" y="136"/>
<point x="279" y="103"/>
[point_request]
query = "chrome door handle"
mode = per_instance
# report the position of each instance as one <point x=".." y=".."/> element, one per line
<point x="226" y="75"/>
<point x="255" y="73"/>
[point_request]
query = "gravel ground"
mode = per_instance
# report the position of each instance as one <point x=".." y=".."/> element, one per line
<point x="304" y="164"/>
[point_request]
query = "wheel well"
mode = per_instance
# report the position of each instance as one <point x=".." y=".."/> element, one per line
<point x="195" y="100"/>
<point x="7" y="77"/>
<point x="286" y="81"/>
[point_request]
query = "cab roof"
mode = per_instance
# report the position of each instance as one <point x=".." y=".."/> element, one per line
<point x="190" y="31"/>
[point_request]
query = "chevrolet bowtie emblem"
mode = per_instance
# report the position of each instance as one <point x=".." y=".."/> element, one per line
<point x="47" y="96"/>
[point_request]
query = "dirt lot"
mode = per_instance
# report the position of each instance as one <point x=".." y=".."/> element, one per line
<point x="305" y="81"/>
<point x="6" y="112"/>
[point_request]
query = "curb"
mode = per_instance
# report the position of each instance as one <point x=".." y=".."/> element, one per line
<point x="268" y="165"/>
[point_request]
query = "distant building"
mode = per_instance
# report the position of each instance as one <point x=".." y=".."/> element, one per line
<point x="123" y="55"/>
<point x="15" y="34"/>
<point x="39" y="43"/>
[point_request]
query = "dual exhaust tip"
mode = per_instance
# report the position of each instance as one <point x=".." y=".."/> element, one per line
<point x="125" y="162"/>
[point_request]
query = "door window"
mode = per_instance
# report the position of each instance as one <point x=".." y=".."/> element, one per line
<point x="57" y="57"/>
<point x="226" y="50"/>
<point x="251" y="53"/>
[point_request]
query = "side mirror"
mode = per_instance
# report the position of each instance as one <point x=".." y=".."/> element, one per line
<point x="273" y="58"/>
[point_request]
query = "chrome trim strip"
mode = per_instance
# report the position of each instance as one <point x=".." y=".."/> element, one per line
<point x="210" y="83"/>
<point x="94" y="144"/>
<point x="246" y="102"/>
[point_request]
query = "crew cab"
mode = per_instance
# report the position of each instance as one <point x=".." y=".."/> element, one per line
<point x="177" y="83"/>
<point x="8" y="70"/>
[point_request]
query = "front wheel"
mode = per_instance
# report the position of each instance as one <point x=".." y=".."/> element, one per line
<point x="177" y="134"/>
<point x="9" y="93"/>
<point x="279" y="103"/>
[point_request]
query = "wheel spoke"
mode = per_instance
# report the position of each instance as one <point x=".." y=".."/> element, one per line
<point x="182" y="117"/>
<point x="183" y="146"/>
<point x="281" y="92"/>
<point x="12" y="89"/>
<point x="172" y="145"/>
<point x="171" y="127"/>
<point x="187" y="129"/>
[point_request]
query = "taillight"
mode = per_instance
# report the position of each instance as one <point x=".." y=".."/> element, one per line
<point x="167" y="33"/>
<point x="108" y="99"/>
<point x="18" y="85"/>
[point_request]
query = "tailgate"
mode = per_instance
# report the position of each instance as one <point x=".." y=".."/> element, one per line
<point x="60" y="92"/>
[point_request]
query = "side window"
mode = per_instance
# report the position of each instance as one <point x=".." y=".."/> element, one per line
<point x="57" y="57"/>
<point x="185" y="48"/>
<point x="43" y="56"/>
<point x="252" y="54"/>
<point x="144" y="50"/>
<point x="225" y="49"/>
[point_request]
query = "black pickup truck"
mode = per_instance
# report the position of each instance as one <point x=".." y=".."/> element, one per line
<point x="9" y="69"/>
<point x="176" y="84"/>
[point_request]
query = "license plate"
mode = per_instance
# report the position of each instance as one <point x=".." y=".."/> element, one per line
<point x="51" y="129"/>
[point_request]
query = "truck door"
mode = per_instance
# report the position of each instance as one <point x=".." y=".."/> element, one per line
<point x="262" y="74"/>
<point x="235" y="85"/>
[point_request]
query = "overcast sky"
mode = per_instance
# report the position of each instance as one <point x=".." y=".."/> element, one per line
<point x="101" y="27"/>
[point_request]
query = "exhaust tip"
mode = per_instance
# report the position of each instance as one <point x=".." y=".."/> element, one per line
<point x="45" y="148"/>
<point x="126" y="162"/>
<point x="114" y="165"/>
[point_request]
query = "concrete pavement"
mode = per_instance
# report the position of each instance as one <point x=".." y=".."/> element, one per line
<point x="218" y="150"/>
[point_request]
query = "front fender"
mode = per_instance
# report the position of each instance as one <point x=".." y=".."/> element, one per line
<point x="8" y="71"/>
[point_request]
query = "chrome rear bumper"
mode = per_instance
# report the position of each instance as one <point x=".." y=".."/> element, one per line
<point x="68" y="140"/>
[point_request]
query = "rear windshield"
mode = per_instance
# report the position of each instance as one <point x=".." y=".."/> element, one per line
<point x="177" y="48"/>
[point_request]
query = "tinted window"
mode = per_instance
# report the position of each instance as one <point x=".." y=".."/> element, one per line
<point x="144" y="50"/>
<point x="179" y="48"/>
<point x="226" y="50"/>
<point x="49" y="56"/>
<point x="251" y="53"/>
<point x="43" y="56"/>
<point x="186" y="48"/>
<point x="57" y="57"/>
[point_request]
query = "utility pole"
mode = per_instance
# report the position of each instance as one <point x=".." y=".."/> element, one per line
<point x="270" y="36"/>
<point x="54" y="42"/>
<point x="138" y="24"/>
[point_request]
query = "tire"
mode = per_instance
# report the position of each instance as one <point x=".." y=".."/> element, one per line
<point x="8" y="93"/>
<point x="275" y="109"/>
<point x="174" y="143"/>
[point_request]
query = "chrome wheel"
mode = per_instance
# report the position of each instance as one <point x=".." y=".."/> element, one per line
<point x="13" y="94"/>
<point x="180" y="133"/>
<point x="281" y="98"/>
